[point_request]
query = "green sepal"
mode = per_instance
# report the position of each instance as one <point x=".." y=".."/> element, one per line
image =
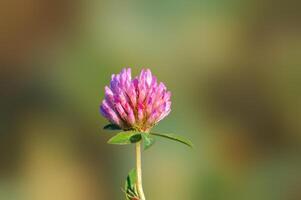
<point x="148" y="140"/>
<point x="174" y="137"/>
<point x="126" y="137"/>
<point x="111" y="127"/>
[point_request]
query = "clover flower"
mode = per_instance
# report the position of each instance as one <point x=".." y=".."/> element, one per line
<point x="135" y="104"/>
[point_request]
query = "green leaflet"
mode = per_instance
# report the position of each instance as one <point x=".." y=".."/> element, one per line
<point x="111" y="127"/>
<point x="136" y="138"/>
<point x="148" y="140"/>
<point x="126" y="137"/>
<point x="130" y="137"/>
<point x="130" y="187"/>
<point x="175" y="138"/>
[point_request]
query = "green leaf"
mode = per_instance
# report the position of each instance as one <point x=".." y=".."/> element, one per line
<point x="148" y="141"/>
<point x="112" y="127"/>
<point x="175" y="138"/>
<point x="136" y="138"/>
<point x="127" y="137"/>
<point x="131" y="179"/>
<point x="130" y="188"/>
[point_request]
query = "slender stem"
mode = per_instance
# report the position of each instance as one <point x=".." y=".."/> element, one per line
<point x="139" y="171"/>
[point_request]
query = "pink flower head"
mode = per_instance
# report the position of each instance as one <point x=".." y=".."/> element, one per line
<point x="137" y="103"/>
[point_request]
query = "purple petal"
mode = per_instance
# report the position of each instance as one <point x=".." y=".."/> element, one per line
<point x="121" y="111"/>
<point x="148" y="77"/>
<point x="109" y="113"/>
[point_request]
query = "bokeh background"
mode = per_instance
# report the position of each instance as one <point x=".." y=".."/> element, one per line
<point x="233" y="68"/>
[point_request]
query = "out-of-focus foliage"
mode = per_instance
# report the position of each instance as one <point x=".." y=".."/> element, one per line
<point x="233" y="68"/>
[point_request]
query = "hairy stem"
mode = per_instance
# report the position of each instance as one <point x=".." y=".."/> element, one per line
<point x="139" y="171"/>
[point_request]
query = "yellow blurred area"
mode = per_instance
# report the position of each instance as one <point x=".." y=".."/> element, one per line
<point x="233" y="68"/>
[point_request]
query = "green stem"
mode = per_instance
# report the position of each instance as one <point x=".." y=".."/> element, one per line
<point x="139" y="171"/>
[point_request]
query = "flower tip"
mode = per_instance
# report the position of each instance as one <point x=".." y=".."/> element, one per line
<point x="107" y="88"/>
<point x="149" y="72"/>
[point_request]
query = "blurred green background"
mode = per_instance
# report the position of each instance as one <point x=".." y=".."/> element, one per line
<point x="233" y="68"/>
